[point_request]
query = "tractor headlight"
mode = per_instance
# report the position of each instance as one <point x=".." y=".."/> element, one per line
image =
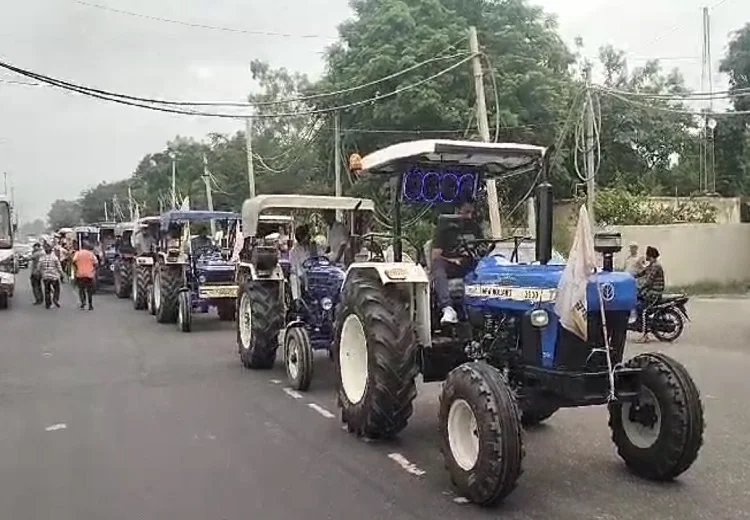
<point x="326" y="303"/>
<point x="539" y="318"/>
<point x="202" y="278"/>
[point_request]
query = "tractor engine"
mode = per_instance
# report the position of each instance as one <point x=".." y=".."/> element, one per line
<point x="321" y="294"/>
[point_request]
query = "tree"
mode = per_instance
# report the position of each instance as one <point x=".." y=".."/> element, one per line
<point x="731" y="135"/>
<point x="64" y="213"/>
<point x="34" y="228"/>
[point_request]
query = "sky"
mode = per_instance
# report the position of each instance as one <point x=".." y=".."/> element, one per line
<point x="54" y="144"/>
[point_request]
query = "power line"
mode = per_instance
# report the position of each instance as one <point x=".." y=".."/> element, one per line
<point x="673" y="110"/>
<point x="202" y="25"/>
<point x="152" y="104"/>
<point x="697" y="96"/>
<point x="234" y="104"/>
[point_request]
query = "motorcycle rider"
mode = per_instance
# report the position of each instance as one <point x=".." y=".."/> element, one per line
<point x="634" y="263"/>
<point x="448" y="261"/>
<point x="651" y="287"/>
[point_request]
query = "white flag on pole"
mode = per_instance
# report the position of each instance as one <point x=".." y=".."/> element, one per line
<point x="571" y="305"/>
<point x="239" y="242"/>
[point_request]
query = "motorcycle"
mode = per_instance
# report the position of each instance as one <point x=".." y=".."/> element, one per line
<point x="665" y="319"/>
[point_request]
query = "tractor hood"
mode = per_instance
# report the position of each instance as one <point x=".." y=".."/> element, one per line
<point x="213" y="262"/>
<point x="497" y="283"/>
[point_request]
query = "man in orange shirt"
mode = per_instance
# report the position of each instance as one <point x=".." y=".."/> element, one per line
<point x="85" y="263"/>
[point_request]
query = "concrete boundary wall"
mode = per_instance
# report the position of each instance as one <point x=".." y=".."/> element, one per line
<point x="695" y="253"/>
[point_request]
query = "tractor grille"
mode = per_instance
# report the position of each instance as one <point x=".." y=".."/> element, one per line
<point x="571" y="352"/>
<point x="324" y="283"/>
<point x="218" y="276"/>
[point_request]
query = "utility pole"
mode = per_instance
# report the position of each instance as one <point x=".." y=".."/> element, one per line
<point x="484" y="130"/>
<point x="106" y="214"/>
<point x="174" y="181"/>
<point x="249" y="149"/>
<point x="337" y="156"/>
<point x="590" y="173"/>
<point x="209" y="195"/>
<point x="5" y="183"/>
<point x="130" y="203"/>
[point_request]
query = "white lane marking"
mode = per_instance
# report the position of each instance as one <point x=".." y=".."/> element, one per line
<point x="292" y="393"/>
<point x="276" y="381"/>
<point x="461" y="500"/>
<point x="55" y="427"/>
<point x="47" y="354"/>
<point x="404" y="463"/>
<point x="322" y="411"/>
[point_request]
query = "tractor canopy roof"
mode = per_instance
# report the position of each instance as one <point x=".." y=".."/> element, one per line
<point x="64" y="231"/>
<point x="493" y="157"/>
<point x="252" y="208"/>
<point x="86" y="229"/>
<point x="276" y="219"/>
<point x="122" y="227"/>
<point x="147" y="221"/>
<point x="171" y="218"/>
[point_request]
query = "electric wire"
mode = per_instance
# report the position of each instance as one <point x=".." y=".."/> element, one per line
<point x="201" y="25"/>
<point x="675" y="110"/>
<point x="234" y="104"/>
<point x="120" y="99"/>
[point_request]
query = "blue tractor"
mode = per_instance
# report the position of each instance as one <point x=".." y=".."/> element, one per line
<point x="507" y="361"/>
<point x="191" y="273"/>
<point x="298" y="305"/>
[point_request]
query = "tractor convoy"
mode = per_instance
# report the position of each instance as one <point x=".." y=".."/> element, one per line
<point x="507" y="361"/>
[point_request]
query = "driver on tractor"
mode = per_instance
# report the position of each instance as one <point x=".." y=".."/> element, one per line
<point x="448" y="261"/>
<point x="304" y="248"/>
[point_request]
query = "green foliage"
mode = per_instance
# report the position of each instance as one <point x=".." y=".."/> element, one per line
<point x="63" y="213"/>
<point x="35" y="227"/>
<point x="617" y="207"/>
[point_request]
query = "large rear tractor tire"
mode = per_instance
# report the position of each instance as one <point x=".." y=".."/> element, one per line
<point x="139" y="292"/>
<point x="259" y="321"/>
<point x="298" y="358"/>
<point x="480" y="433"/>
<point x="660" y="434"/>
<point x="4" y="301"/>
<point x="166" y="288"/>
<point x="375" y="352"/>
<point x="123" y="279"/>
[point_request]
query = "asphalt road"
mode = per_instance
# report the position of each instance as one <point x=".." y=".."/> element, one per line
<point x="109" y="415"/>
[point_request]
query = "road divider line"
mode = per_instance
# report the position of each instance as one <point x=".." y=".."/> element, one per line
<point x="322" y="411"/>
<point x="292" y="393"/>
<point x="406" y="465"/>
<point x="55" y="427"/>
<point x="276" y="381"/>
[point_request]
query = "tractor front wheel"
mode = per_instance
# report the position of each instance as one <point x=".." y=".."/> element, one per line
<point x="660" y="433"/>
<point x="184" y="312"/>
<point x="139" y="291"/>
<point x="298" y="358"/>
<point x="167" y="284"/>
<point x="259" y="321"/>
<point x="123" y="279"/>
<point x="480" y="433"/>
<point x="375" y="352"/>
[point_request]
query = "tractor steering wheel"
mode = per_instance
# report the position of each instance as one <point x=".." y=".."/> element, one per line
<point x="316" y="260"/>
<point x="477" y="248"/>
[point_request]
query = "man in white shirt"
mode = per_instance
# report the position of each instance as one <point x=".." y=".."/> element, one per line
<point x="302" y="250"/>
<point x="634" y="263"/>
<point x="338" y="236"/>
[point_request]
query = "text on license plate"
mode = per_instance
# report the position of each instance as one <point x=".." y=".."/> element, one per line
<point x="226" y="291"/>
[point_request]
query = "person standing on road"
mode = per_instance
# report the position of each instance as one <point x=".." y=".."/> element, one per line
<point x="84" y="263"/>
<point x="634" y="263"/>
<point x="36" y="274"/>
<point x="51" y="271"/>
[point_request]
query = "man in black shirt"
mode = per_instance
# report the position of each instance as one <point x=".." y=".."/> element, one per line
<point x="448" y="260"/>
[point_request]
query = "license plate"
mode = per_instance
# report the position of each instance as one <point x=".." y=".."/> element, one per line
<point x="224" y="291"/>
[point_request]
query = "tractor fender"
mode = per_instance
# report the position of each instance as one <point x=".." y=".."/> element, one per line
<point x="276" y="274"/>
<point x="289" y="326"/>
<point x="403" y="273"/>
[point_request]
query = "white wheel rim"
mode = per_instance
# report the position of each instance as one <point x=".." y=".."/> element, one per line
<point x="641" y="435"/>
<point x="245" y="321"/>
<point x="353" y="359"/>
<point x="292" y="357"/>
<point x="157" y="291"/>
<point x="134" y="291"/>
<point x="181" y="312"/>
<point x="463" y="435"/>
